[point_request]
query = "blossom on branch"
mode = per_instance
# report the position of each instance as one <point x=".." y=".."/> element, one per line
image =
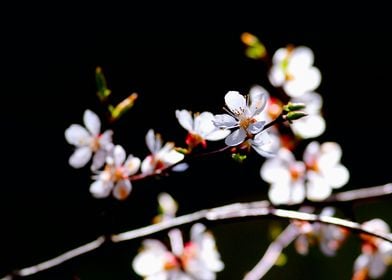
<point x="161" y="157"/>
<point x="197" y="259"/>
<point x="115" y="176"/>
<point x="88" y="142"/>
<point x="200" y="128"/>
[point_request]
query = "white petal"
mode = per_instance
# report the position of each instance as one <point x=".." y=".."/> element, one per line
<point x="331" y="153"/>
<point x="148" y="165"/>
<point x="122" y="189"/>
<point x="256" y="127"/>
<point x="311" y="152"/>
<point x="297" y="192"/>
<point x="276" y="76"/>
<point x="105" y="140"/>
<point x="263" y="145"/>
<point x="274" y="171"/>
<point x="167" y="204"/>
<point x="309" y="126"/>
<point x="337" y="177"/>
<point x="235" y="101"/>
<point x="150" y="260"/>
<point x="205" y="127"/>
<point x="225" y="121"/>
<point x="92" y="122"/>
<point x="301" y="57"/>
<point x="80" y="157"/>
<point x="258" y="99"/>
<point x="312" y="100"/>
<point x="99" y="159"/>
<point x="217" y="134"/>
<point x="286" y="194"/>
<point x="376" y="225"/>
<point x="101" y="189"/>
<point x="317" y="188"/>
<point x="77" y="135"/>
<point x="304" y="81"/>
<point x="279" y="55"/>
<point x="377" y="266"/>
<point x="154" y="142"/>
<point x="132" y="165"/>
<point x="180" y="167"/>
<point x="361" y="262"/>
<point x="172" y="157"/>
<point x="236" y="138"/>
<point x="118" y="155"/>
<point x="185" y="119"/>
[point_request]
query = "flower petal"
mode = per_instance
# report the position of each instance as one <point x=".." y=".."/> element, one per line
<point x="153" y="141"/>
<point x="317" y="188"/>
<point x="225" y="121"/>
<point x="263" y="145"/>
<point x="258" y="99"/>
<point x="185" y="119"/>
<point x="205" y="127"/>
<point x="377" y="266"/>
<point x="118" y="155"/>
<point x="235" y="101"/>
<point x="236" y="138"/>
<point x="275" y="171"/>
<point x="105" y="140"/>
<point x="99" y="159"/>
<point x="279" y="194"/>
<point x="148" y="165"/>
<point x="77" y="135"/>
<point x="337" y="177"/>
<point x="92" y="122"/>
<point x="180" y="167"/>
<point x="276" y="76"/>
<point x="309" y="126"/>
<point x="301" y="57"/>
<point x="172" y="157"/>
<point x="132" y="165"/>
<point x="80" y="157"/>
<point x="101" y="189"/>
<point x="256" y="127"/>
<point x="122" y="189"/>
<point x="151" y="260"/>
<point x="331" y="153"/>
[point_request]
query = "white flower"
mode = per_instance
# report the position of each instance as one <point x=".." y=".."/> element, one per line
<point x="313" y="124"/>
<point x="293" y="70"/>
<point x="324" y="171"/>
<point x="167" y="207"/>
<point x="200" y="128"/>
<point x="160" y="157"/>
<point x="242" y="113"/>
<point x="198" y="259"/>
<point x="88" y="142"/>
<point x="115" y="176"/>
<point x="286" y="176"/>
<point x="376" y="253"/>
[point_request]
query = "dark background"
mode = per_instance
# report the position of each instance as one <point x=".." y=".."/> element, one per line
<point x="48" y="81"/>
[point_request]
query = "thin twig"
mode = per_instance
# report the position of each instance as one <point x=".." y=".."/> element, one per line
<point x="226" y="212"/>
<point x="288" y="235"/>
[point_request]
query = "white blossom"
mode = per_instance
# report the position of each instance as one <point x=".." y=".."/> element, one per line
<point x="293" y="70"/>
<point x="115" y="176"/>
<point x="89" y="141"/>
<point x="161" y="157"/>
<point x="197" y="259"/>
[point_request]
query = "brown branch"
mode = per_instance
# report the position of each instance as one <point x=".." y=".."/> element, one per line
<point x="226" y="212"/>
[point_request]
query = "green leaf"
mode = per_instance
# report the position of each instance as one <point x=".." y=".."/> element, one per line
<point x="293" y="106"/>
<point x="102" y="90"/>
<point x="291" y="116"/>
<point x="238" y="157"/>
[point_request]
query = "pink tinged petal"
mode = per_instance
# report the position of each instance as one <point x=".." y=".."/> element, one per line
<point x="80" y="157"/>
<point x="276" y="76"/>
<point x="311" y="152"/>
<point x="361" y="262"/>
<point x="275" y="171"/>
<point x="331" y="154"/>
<point x="101" y="189"/>
<point x="258" y="99"/>
<point x="132" y="165"/>
<point x="225" y="121"/>
<point x="105" y="140"/>
<point x="377" y="266"/>
<point x="317" y="188"/>
<point x="302" y="245"/>
<point x="77" y="135"/>
<point x="286" y="155"/>
<point x="235" y="101"/>
<point x="151" y="260"/>
<point x="92" y="122"/>
<point x="309" y="126"/>
<point x="236" y="138"/>
<point x="118" y="155"/>
<point x="99" y="159"/>
<point x="256" y="127"/>
<point x="122" y="189"/>
<point x="180" y="167"/>
<point x="185" y="119"/>
<point x="337" y="177"/>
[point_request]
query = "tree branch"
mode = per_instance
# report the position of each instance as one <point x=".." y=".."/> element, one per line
<point x="226" y="212"/>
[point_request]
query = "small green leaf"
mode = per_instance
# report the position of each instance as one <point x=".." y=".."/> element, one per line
<point x="102" y="90"/>
<point x="255" y="52"/>
<point x="238" y="157"/>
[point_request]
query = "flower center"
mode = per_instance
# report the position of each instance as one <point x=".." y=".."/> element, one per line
<point x="246" y="122"/>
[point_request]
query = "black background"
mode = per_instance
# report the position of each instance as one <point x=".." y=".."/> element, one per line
<point x="48" y="81"/>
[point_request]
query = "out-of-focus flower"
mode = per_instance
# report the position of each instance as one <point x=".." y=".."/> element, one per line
<point x="320" y="172"/>
<point x="293" y="70"/>
<point x="376" y="253"/>
<point x="88" y="142"/>
<point x="115" y="176"/>
<point x="324" y="171"/>
<point x="313" y="124"/>
<point x="200" y="128"/>
<point x="328" y="237"/>
<point x="244" y="114"/>
<point x="167" y="207"/>
<point x="160" y="157"/>
<point x="286" y="176"/>
<point x="198" y="259"/>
